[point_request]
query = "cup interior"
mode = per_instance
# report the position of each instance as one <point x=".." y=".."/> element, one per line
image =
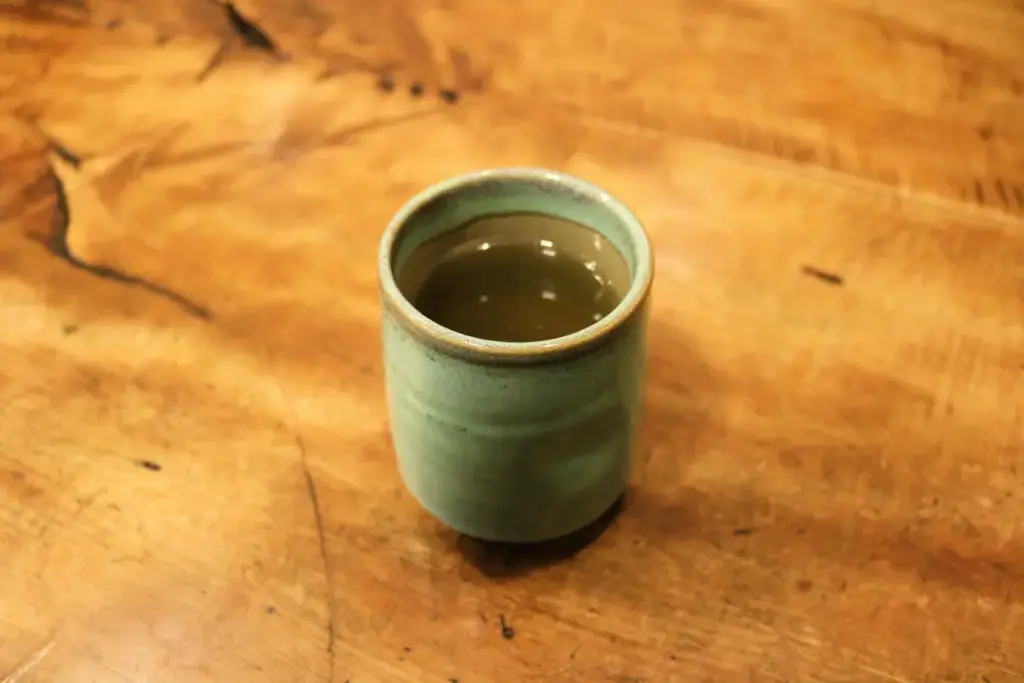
<point x="493" y="230"/>
<point x="433" y="226"/>
<point x="499" y="199"/>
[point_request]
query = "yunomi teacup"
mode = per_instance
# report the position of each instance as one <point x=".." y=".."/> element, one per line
<point x="514" y="316"/>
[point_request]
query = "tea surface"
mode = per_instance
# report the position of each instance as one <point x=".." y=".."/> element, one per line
<point x="518" y="291"/>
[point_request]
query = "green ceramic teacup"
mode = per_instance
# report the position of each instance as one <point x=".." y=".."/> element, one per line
<point x="505" y="441"/>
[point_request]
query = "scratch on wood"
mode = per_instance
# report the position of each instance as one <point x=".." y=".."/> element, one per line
<point x="835" y="177"/>
<point x="883" y="674"/>
<point x="314" y="501"/>
<point x="22" y="669"/>
<point x="283" y="151"/>
<point x="565" y="669"/>
<point x="81" y="506"/>
<point x="345" y="135"/>
<point x="824" y="276"/>
<point x="214" y="62"/>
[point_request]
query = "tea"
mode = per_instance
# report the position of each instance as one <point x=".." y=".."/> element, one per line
<point x="519" y="278"/>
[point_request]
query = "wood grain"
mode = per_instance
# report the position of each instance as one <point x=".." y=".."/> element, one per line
<point x="196" y="482"/>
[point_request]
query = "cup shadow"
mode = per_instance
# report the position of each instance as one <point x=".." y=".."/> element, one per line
<point x="497" y="559"/>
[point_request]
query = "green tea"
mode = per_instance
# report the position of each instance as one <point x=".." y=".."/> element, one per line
<point x="522" y="278"/>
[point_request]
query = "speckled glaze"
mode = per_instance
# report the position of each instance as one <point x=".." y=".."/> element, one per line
<point x="505" y="441"/>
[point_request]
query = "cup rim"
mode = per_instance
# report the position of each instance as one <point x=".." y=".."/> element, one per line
<point x="486" y="349"/>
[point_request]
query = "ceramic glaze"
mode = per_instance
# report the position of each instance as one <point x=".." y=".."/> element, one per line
<point x="514" y="441"/>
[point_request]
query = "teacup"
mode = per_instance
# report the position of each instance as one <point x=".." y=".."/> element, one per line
<point x="514" y="441"/>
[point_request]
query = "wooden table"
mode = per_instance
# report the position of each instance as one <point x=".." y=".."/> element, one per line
<point x="196" y="482"/>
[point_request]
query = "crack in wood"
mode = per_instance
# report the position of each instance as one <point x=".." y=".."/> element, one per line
<point x="72" y="158"/>
<point x="314" y="501"/>
<point x="247" y="31"/>
<point x="251" y="34"/>
<point x="57" y="244"/>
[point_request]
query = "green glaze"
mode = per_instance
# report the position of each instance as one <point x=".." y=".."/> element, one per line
<point x="505" y="441"/>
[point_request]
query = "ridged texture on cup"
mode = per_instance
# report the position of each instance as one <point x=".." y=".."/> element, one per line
<point x="514" y="452"/>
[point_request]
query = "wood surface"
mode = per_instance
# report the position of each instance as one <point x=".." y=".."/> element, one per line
<point x="196" y="482"/>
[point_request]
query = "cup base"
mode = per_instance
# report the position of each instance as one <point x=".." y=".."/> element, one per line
<point x="505" y="558"/>
<point x="590" y="516"/>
